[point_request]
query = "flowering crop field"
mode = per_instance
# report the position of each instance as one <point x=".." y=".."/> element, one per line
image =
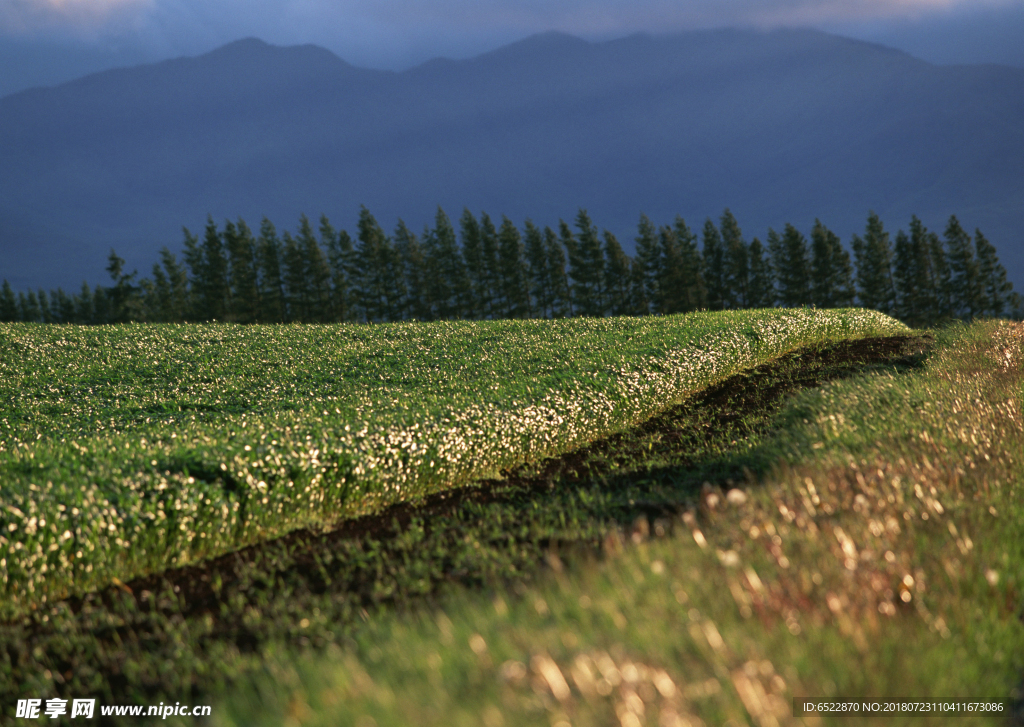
<point x="126" y="450"/>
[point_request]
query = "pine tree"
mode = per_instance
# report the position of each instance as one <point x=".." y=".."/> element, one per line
<point x="446" y="260"/>
<point x="790" y="260"/>
<point x="561" y="306"/>
<point x="63" y="307"/>
<point x="177" y="303"/>
<point x="296" y="286"/>
<point x="414" y="267"/>
<point x="648" y="260"/>
<point x="943" y="310"/>
<point x="193" y="256"/>
<point x="572" y="255"/>
<point x="8" y="304"/>
<point x="831" y="270"/>
<point x="515" y="287"/>
<point x="472" y="255"/>
<point x="965" y="285"/>
<point x="29" y="307"/>
<point x="761" y="290"/>
<point x="913" y="276"/>
<point x="737" y="263"/>
<point x="541" y="288"/>
<point x="489" y="271"/>
<point x="341" y="259"/>
<point x="213" y="287"/>
<point x="995" y="288"/>
<point x="588" y="271"/>
<point x="243" y="293"/>
<point x="317" y="274"/>
<point x="380" y="284"/>
<point x="714" y="267"/>
<point x="157" y="296"/>
<point x="873" y="255"/>
<point x="616" y="276"/>
<point x="695" y="291"/>
<point x="270" y="282"/>
<point x="125" y="303"/>
<point x="85" y="310"/>
<point x="671" y="274"/>
<point x="44" y="307"/>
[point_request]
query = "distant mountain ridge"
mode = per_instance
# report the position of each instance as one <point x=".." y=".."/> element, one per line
<point x="781" y="126"/>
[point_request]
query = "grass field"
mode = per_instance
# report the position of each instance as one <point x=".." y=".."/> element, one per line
<point x="125" y="450"/>
<point x="707" y="565"/>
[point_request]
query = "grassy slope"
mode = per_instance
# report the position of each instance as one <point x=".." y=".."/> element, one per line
<point x="125" y="450"/>
<point x="880" y="559"/>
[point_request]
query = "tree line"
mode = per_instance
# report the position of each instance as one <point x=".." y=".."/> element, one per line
<point x="489" y="270"/>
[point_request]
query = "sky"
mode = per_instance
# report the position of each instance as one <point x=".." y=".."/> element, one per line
<point x="44" y="42"/>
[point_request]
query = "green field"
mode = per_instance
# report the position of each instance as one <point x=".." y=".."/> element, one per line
<point x="125" y="450"/>
<point x="655" y="531"/>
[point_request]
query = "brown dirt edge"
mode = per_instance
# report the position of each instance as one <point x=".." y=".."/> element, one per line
<point x="194" y="583"/>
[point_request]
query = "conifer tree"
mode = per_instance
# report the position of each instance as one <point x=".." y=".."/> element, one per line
<point x="44" y="307"/>
<point x="8" y="304"/>
<point x="213" y="285"/>
<point x="616" y="277"/>
<point x="588" y="270"/>
<point x="672" y="284"/>
<point x="270" y="281"/>
<point x="790" y="260"/>
<point x="29" y="307"/>
<point x="913" y="276"/>
<point x="761" y="289"/>
<point x="414" y="267"/>
<point x="243" y="296"/>
<point x="714" y="267"/>
<point x="996" y="290"/>
<point x="873" y="255"/>
<point x="737" y="263"/>
<point x="341" y="260"/>
<point x="831" y="270"/>
<point x="473" y="255"/>
<point x="515" y="285"/>
<point x="85" y="311"/>
<point x="965" y="283"/>
<point x="63" y="306"/>
<point x="296" y="285"/>
<point x="124" y="301"/>
<point x="695" y="292"/>
<point x="943" y="278"/>
<point x="446" y="259"/>
<point x="317" y="274"/>
<point x="649" y="260"/>
<point x="489" y="271"/>
<point x="561" y="306"/>
<point x="542" y="291"/>
<point x="380" y="285"/>
<point x="572" y="255"/>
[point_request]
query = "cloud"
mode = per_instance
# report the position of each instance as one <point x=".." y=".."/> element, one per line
<point x="19" y="17"/>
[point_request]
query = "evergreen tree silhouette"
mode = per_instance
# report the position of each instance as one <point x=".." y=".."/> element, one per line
<point x="695" y="292"/>
<point x="966" y="290"/>
<point x="587" y="269"/>
<point x="649" y="261"/>
<point x="244" y="298"/>
<point x="515" y="287"/>
<point x="761" y="289"/>
<point x="414" y="267"/>
<point x="489" y="273"/>
<point x="873" y="256"/>
<point x="561" y="306"/>
<point x="473" y="255"/>
<point x="996" y="289"/>
<point x="737" y="263"/>
<point x="542" y="291"/>
<point x="616" y="276"/>
<point x="317" y="274"/>
<point x="714" y="267"/>
<point x="8" y="304"/>
<point x="269" y="255"/>
<point x="340" y="261"/>
<point x="790" y="260"/>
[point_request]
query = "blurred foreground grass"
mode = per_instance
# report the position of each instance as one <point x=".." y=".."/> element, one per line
<point x="881" y="558"/>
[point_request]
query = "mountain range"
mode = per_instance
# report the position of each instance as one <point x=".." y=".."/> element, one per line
<point x="781" y="126"/>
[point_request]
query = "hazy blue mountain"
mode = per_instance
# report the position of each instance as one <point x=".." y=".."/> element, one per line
<point x="781" y="126"/>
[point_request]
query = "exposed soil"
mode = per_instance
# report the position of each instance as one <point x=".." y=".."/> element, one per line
<point x="727" y="405"/>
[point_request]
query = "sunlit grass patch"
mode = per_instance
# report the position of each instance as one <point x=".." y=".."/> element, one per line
<point x="129" y="449"/>
<point x="882" y="564"/>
